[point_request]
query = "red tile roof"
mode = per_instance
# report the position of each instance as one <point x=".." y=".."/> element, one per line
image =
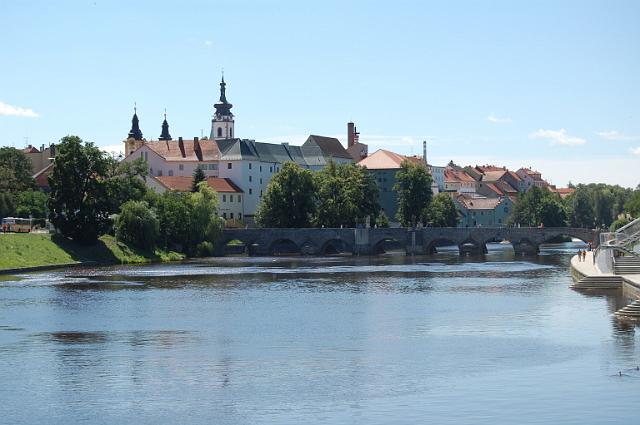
<point x="42" y="176"/>
<point x="478" y="203"/>
<point x="183" y="184"/>
<point x="385" y="160"/>
<point x="452" y="175"/>
<point x="200" y="150"/>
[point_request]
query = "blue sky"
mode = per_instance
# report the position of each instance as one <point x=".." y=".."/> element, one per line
<point x="550" y="84"/>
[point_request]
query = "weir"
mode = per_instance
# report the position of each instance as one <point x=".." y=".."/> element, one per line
<point x="371" y="241"/>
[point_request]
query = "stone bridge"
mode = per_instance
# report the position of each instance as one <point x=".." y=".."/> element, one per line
<point x="318" y="241"/>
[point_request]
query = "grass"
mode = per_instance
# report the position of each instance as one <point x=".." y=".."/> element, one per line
<point x="31" y="250"/>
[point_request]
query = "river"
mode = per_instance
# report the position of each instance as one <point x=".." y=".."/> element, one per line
<point x="387" y="340"/>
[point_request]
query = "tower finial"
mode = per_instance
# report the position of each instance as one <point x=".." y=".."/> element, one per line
<point x="135" y="107"/>
<point x="223" y="74"/>
<point x="165" y="113"/>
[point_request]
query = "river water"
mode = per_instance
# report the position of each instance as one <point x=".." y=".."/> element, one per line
<point x="386" y="340"/>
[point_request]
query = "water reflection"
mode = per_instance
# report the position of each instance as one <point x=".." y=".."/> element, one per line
<point x="316" y="340"/>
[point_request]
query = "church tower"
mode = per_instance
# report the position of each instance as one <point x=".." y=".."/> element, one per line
<point x="134" y="138"/>
<point x="165" y="129"/>
<point x="222" y="122"/>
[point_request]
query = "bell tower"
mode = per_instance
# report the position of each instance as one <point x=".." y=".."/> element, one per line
<point x="222" y="121"/>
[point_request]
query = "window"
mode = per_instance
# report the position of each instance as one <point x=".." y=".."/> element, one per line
<point x="261" y="168"/>
<point x="171" y="172"/>
<point x="261" y="194"/>
<point x="250" y="191"/>
<point x="271" y="169"/>
<point x="260" y="180"/>
<point x="250" y="179"/>
<point x="239" y="198"/>
<point x="181" y="167"/>
<point x="239" y="216"/>
<point x="146" y="156"/>
<point x="231" y="199"/>
<point x="219" y="131"/>
<point x="249" y="165"/>
<point x="224" y="198"/>
<point x="159" y="173"/>
<point x="224" y="215"/>
<point x="231" y="215"/>
<point x="213" y="166"/>
<point x="229" y="165"/>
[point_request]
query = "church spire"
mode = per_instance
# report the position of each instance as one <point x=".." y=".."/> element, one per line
<point x="135" y="132"/>
<point x="222" y="122"/>
<point x="165" y="128"/>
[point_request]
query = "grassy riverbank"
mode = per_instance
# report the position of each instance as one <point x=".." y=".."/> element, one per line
<point x="34" y="250"/>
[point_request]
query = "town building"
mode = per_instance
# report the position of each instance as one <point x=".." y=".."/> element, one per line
<point x="357" y="150"/>
<point x="248" y="164"/>
<point x="40" y="158"/>
<point x="457" y="180"/>
<point x="480" y="211"/>
<point x="531" y="178"/>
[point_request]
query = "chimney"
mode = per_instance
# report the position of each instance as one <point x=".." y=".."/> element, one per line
<point x="351" y="132"/>
<point x="197" y="149"/>
<point x="181" y="146"/>
<point x="424" y="152"/>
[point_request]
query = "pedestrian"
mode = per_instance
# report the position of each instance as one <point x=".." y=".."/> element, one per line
<point x="584" y="255"/>
<point x="579" y="255"/>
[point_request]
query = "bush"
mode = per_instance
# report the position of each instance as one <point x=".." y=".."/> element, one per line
<point x="620" y="222"/>
<point x="204" y="249"/>
<point x="137" y="225"/>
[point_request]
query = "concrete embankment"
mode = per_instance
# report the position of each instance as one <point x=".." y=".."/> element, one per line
<point x="588" y="276"/>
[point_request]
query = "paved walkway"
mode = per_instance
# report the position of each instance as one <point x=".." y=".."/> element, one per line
<point x="588" y="268"/>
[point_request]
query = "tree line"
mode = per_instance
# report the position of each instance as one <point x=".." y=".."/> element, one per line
<point x="344" y="195"/>
<point x="594" y="205"/>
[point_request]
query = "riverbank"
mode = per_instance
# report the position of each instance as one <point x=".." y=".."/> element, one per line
<point x="26" y="252"/>
<point x="587" y="275"/>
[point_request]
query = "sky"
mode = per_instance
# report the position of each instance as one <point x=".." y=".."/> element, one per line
<point x="554" y="85"/>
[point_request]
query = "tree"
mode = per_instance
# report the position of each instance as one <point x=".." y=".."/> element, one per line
<point x="580" y="210"/>
<point x="31" y="203"/>
<point x="382" y="220"/>
<point x="78" y="204"/>
<point x="539" y="206"/>
<point x="7" y="204"/>
<point x="442" y="211"/>
<point x="15" y="171"/>
<point x="346" y="195"/>
<point x="198" y="176"/>
<point x="125" y="182"/>
<point x="632" y="206"/>
<point x="137" y="225"/>
<point x="289" y="199"/>
<point x="205" y="226"/>
<point x="413" y="184"/>
<point x="622" y="221"/>
<point x="173" y="212"/>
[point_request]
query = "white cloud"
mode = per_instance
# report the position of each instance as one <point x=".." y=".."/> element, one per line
<point x="497" y="120"/>
<point x="616" y="136"/>
<point x="16" y="111"/>
<point x="635" y="151"/>
<point x="208" y="42"/>
<point x="557" y="137"/>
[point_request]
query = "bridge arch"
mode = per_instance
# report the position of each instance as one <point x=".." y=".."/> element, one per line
<point x="432" y="246"/>
<point x="334" y="246"/>
<point x="388" y="243"/>
<point x="472" y="246"/>
<point x="283" y="246"/>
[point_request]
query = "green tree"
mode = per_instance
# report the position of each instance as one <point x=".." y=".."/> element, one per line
<point x="31" y="203"/>
<point x="580" y="210"/>
<point x="382" y="220"/>
<point x="7" y="204"/>
<point x="632" y="206"/>
<point x="78" y="204"/>
<point x="442" y="211"/>
<point x="198" y="176"/>
<point x="205" y="227"/>
<point x="137" y="225"/>
<point x="125" y="182"/>
<point x="620" y="222"/>
<point x="174" y="216"/>
<point x="539" y="206"/>
<point x="346" y="195"/>
<point x="413" y="184"/>
<point x="289" y="199"/>
<point x="15" y="171"/>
